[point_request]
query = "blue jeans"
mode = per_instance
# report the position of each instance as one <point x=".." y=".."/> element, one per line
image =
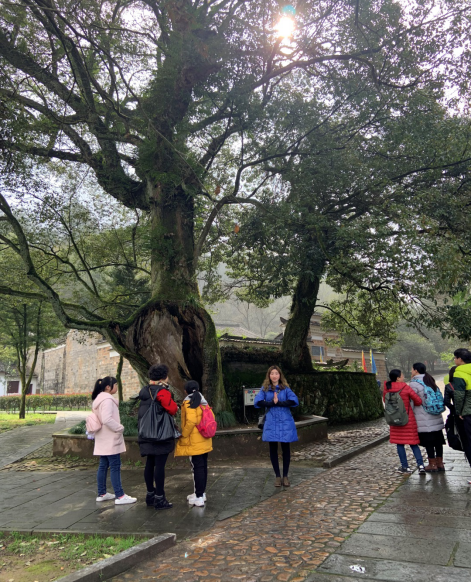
<point x="114" y="463"/>
<point x="401" y="451"/>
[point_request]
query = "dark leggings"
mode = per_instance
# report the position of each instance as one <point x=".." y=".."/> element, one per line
<point x="434" y="451"/>
<point x="274" y="458"/>
<point x="155" y="471"/>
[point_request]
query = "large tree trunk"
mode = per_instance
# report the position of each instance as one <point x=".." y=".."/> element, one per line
<point x="174" y="328"/>
<point x="296" y="354"/>
<point x="183" y="337"/>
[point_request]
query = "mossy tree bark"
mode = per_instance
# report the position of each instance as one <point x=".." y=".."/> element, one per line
<point x="296" y="354"/>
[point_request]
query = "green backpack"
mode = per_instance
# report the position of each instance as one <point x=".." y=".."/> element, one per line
<point x="394" y="410"/>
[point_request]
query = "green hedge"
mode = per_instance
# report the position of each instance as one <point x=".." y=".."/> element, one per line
<point x="339" y="396"/>
<point x="36" y="402"/>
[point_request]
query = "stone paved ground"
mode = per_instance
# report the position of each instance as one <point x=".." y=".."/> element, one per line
<point x="65" y="500"/>
<point x="287" y="536"/>
<point x="341" y="439"/>
<point x="422" y="533"/>
<point x="19" y="442"/>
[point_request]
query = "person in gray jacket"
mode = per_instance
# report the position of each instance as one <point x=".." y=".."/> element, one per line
<point x="430" y="426"/>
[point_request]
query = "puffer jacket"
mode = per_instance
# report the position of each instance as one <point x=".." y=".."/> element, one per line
<point x="109" y="439"/>
<point x="279" y="423"/>
<point x="192" y="442"/>
<point x="425" y="422"/>
<point x="463" y="400"/>
<point x="407" y="434"/>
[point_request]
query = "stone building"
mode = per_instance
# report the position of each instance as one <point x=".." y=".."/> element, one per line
<point x="74" y="366"/>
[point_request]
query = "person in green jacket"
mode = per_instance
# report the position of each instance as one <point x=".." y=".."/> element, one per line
<point x="462" y="398"/>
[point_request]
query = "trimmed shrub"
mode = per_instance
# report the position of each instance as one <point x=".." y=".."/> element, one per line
<point x="36" y="402"/>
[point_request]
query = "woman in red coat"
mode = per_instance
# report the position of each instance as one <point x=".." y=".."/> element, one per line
<point x="407" y="434"/>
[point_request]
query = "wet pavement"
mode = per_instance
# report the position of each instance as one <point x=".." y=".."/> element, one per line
<point x="19" y="442"/>
<point x="287" y="536"/>
<point x="66" y="500"/>
<point x="422" y="532"/>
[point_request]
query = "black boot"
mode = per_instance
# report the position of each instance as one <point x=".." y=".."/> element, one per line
<point x="162" y="503"/>
<point x="150" y="497"/>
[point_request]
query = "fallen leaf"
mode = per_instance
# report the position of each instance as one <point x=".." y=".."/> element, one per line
<point x="107" y="555"/>
<point x="84" y="554"/>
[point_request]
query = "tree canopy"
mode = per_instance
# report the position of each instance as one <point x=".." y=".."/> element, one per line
<point x="178" y="110"/>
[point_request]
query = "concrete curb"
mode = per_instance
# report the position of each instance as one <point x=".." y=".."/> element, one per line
<point x="106" y="569"/>
<point x="334" y="461"/>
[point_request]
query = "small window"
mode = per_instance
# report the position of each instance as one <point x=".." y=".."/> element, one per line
<point x="317" y="351"/>
<point x="13" y="387"/>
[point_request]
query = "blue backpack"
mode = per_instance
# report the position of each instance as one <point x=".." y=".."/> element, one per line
<point x="432" y="402"/>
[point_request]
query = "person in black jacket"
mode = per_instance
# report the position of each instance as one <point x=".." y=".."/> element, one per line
<point x="449" y="399"/>
<point x="157" y="452"/>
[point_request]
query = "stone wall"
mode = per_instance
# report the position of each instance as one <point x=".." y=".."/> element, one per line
<point x="74" y="367"/>
<point x="107" y="364"/>
<point x="51" y="368"/>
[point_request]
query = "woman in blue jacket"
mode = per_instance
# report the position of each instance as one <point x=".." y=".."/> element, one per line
<point x="277" y="398"/>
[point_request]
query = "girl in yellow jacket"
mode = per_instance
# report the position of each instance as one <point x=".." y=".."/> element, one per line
<point x="192" y="444"/>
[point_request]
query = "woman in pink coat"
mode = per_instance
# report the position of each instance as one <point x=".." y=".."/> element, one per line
<point x="407" y="434"/>
<point x="109" y="441"/>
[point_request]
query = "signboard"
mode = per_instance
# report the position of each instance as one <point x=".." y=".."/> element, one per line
<point x="249" y="395"/>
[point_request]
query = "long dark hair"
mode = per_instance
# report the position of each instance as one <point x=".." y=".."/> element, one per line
<point x="393" y="376"/>
<point x="192" y="388"/>
<point x="101" y="384"/>
<point x="428" y="380"/>
<point x="267" y="383"/>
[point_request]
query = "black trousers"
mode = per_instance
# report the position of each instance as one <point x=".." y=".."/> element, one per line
<point x="465" y="441"/>
<point x="434" y="451"/>
<point x="285" y="449"/>
<point x="466" y="427"/>
<point x="199" y="466"/>
<point x="154" y="471"/>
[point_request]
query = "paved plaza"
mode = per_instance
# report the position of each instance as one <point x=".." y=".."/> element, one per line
<point x="65" y="500"/>
<point x="359" y="520"/>
<point x="419" y="531"/>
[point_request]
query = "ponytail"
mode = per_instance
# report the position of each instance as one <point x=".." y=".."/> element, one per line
<point x="393" y="375"/>
<point x="429" y="380"/>
<point x="192" y="389"/>
<point x="101" y="384"/>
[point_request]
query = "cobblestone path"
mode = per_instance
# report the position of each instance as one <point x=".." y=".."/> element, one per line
<point x="286" y="537"/>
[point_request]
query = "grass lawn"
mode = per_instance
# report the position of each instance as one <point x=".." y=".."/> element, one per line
<point x="29" y="558"/>
<point x="9" y="421"/>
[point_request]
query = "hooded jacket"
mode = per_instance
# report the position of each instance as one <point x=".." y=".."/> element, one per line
<point x="462" y="399"/>
<point x="425" y="422"/>
<point x="192" y="442"/>
<point x="407" y="434"/>
<point x="109" y="439"/>
<point x="279" y="424"/>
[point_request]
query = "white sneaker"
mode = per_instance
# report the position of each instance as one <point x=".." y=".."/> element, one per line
<point x="197" y="502"/>
<point x="105" y="497"/>
<point x="192" y="497"/>
<point x="125" y="500"/>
